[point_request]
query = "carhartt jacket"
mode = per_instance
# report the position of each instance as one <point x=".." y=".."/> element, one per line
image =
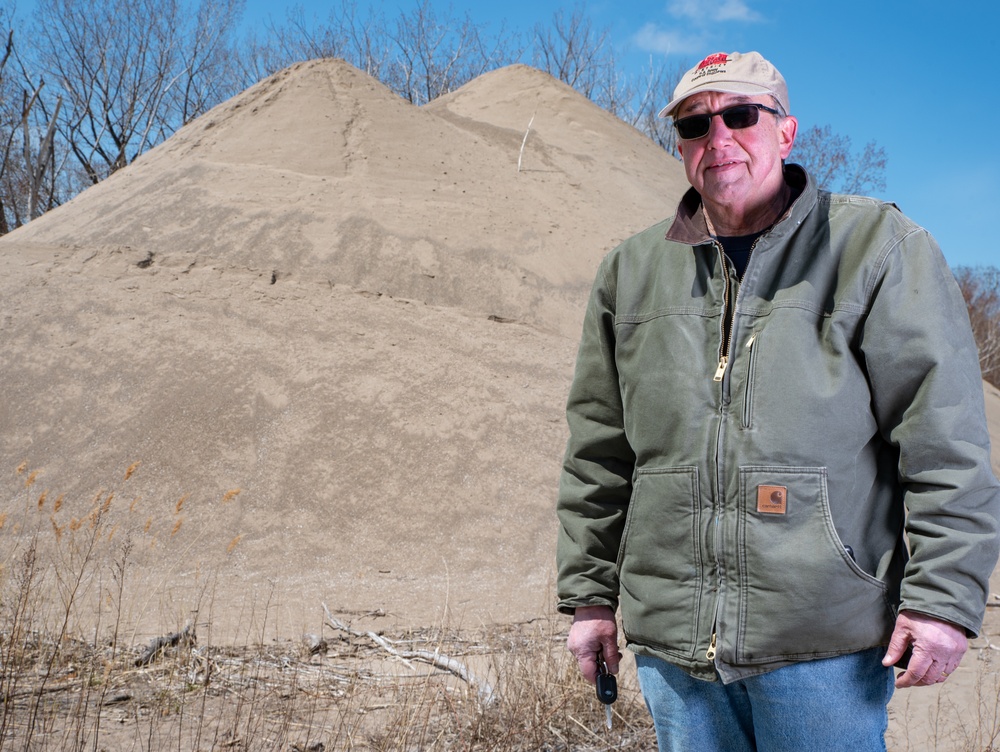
<point x="764" y="472"/>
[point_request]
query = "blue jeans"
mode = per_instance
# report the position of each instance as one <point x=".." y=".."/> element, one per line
<point x="828" y="705"/>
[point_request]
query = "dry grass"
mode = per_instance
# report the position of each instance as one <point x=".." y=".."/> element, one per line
<point x="279" y="697"/>
<point x="938" y="721"/>
<point x="72" y="675"/>
<point x="349" y="695"/>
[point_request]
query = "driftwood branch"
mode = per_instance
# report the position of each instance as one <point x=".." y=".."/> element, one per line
<point x="487" y="694"/>
<point x="158" y="644"/>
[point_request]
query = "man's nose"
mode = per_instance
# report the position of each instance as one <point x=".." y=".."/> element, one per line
<point x="718" y="131"/>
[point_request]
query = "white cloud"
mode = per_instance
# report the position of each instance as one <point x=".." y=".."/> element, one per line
<point x="695" y="26"/>
<point x="737" y="10"/>
<point x="653" y="38"/>
<point x="686" y="9"/>
<point x="705" y="11"/>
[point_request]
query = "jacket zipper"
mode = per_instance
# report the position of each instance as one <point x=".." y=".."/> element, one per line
<point x="720" y="372"/>
<point x="717" y="534"/>
<point x="724" y="346"/>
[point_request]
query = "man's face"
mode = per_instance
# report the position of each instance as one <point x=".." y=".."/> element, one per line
<point x="736" y="168"/>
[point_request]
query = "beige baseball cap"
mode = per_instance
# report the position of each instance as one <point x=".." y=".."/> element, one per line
<point x="733" y="73"/>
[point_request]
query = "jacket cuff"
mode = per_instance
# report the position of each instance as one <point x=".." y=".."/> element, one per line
<point x="569" y="606"/>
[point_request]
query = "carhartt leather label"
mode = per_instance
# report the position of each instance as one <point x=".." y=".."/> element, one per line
<point x="772" y="499"/>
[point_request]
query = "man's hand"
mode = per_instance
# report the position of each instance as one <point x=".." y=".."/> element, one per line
<point x="938" y="646"/>
<point x="594" y="632"/>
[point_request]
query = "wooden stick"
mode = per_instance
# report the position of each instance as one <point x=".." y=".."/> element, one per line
<point x="520" y="156"/>
<point x="487" y="694"/>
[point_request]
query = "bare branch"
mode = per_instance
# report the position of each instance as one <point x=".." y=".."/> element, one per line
<point x="573" y="51"/>
<point x="485" y="691"/>
<point x="828" y="158"/>
<point x="981" y="289"/>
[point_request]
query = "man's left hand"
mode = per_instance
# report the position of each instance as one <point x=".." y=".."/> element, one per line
<point x="938" y="647"/>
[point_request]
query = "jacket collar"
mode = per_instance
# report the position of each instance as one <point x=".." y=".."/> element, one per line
<point x="690" y="228"/>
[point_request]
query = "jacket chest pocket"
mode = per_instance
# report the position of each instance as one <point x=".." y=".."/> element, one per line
<point x="752" y="349"/>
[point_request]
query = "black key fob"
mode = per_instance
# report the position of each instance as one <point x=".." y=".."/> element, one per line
<point x="607" y="685"/>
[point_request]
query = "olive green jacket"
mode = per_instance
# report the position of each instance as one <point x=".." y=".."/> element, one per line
<point x="763" y="472"/>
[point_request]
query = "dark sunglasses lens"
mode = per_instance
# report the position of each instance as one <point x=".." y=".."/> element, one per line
<point x="741" y="116"/>
<point x="736" y="118"/>
<point x="694" y="126"/>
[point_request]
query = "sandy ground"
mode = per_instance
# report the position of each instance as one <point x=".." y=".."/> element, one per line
<point x="335" y="331"/>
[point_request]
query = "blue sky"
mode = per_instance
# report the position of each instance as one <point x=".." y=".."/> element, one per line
<point x="874" y="70"/>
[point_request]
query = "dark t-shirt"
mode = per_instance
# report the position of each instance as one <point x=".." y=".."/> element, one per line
<point x="738" y="250"/>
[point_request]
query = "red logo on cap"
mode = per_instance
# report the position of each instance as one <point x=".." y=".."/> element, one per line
<point x="719" y="58"/>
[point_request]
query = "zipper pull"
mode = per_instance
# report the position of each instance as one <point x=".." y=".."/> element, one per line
<point x="750" y="341"/>
<point x="710" y="653"/>
<point x="721" y="370"/>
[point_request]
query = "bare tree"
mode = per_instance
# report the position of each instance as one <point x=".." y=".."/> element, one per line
<point x="209" y="72"/>
<point x="7" y="131"/>
<point x="131" y="72"/>
<point x="657" y="92"/>
<point x="95" y="83"/>
<point x="40" y="161"/>
<point x="256" y="59"/>
<point x="301" y="38"/>
<point x="828" y="157"/>
<point x="27" y="169"/>
<point x="112" y="61"/>
<point x="981" y="289"/>
<point x="419" y="54"/>
<point x="573" y="51"/>
<point x="615" y="90"/>
<point x="366" y="41"/>
<point x="432" y="55"/>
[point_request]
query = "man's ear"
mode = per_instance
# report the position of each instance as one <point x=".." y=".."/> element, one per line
<point x="788" y="127"/>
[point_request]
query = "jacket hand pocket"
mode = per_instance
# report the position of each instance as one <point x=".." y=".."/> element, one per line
<point x="799" y="592"/>
<point x="660" y="559"/>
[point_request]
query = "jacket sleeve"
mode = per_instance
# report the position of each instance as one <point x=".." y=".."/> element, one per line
<point x="927" y="395"/>
<point x="596" y="481"/>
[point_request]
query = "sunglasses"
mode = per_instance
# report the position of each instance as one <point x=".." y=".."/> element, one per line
<point x="736" y="118"/>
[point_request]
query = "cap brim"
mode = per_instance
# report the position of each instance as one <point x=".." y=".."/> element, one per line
<point x="728" y="87"/>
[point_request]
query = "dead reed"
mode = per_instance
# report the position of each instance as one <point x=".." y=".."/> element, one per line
<point x="73" y="677"/>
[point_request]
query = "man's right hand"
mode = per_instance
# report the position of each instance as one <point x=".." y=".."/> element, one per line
<point x="594" y="633"/>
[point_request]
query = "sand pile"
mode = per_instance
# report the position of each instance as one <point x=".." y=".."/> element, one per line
<point x="320" y="173"/>
<point x="335" y="331"/>
<point x="357" y="312"/>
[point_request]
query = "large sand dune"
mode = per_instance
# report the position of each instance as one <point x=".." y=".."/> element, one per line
<point x="358" y="312"/>
<point x="361" y="313"/>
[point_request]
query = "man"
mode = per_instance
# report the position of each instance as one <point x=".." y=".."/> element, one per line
<point x="778" y="464"/>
